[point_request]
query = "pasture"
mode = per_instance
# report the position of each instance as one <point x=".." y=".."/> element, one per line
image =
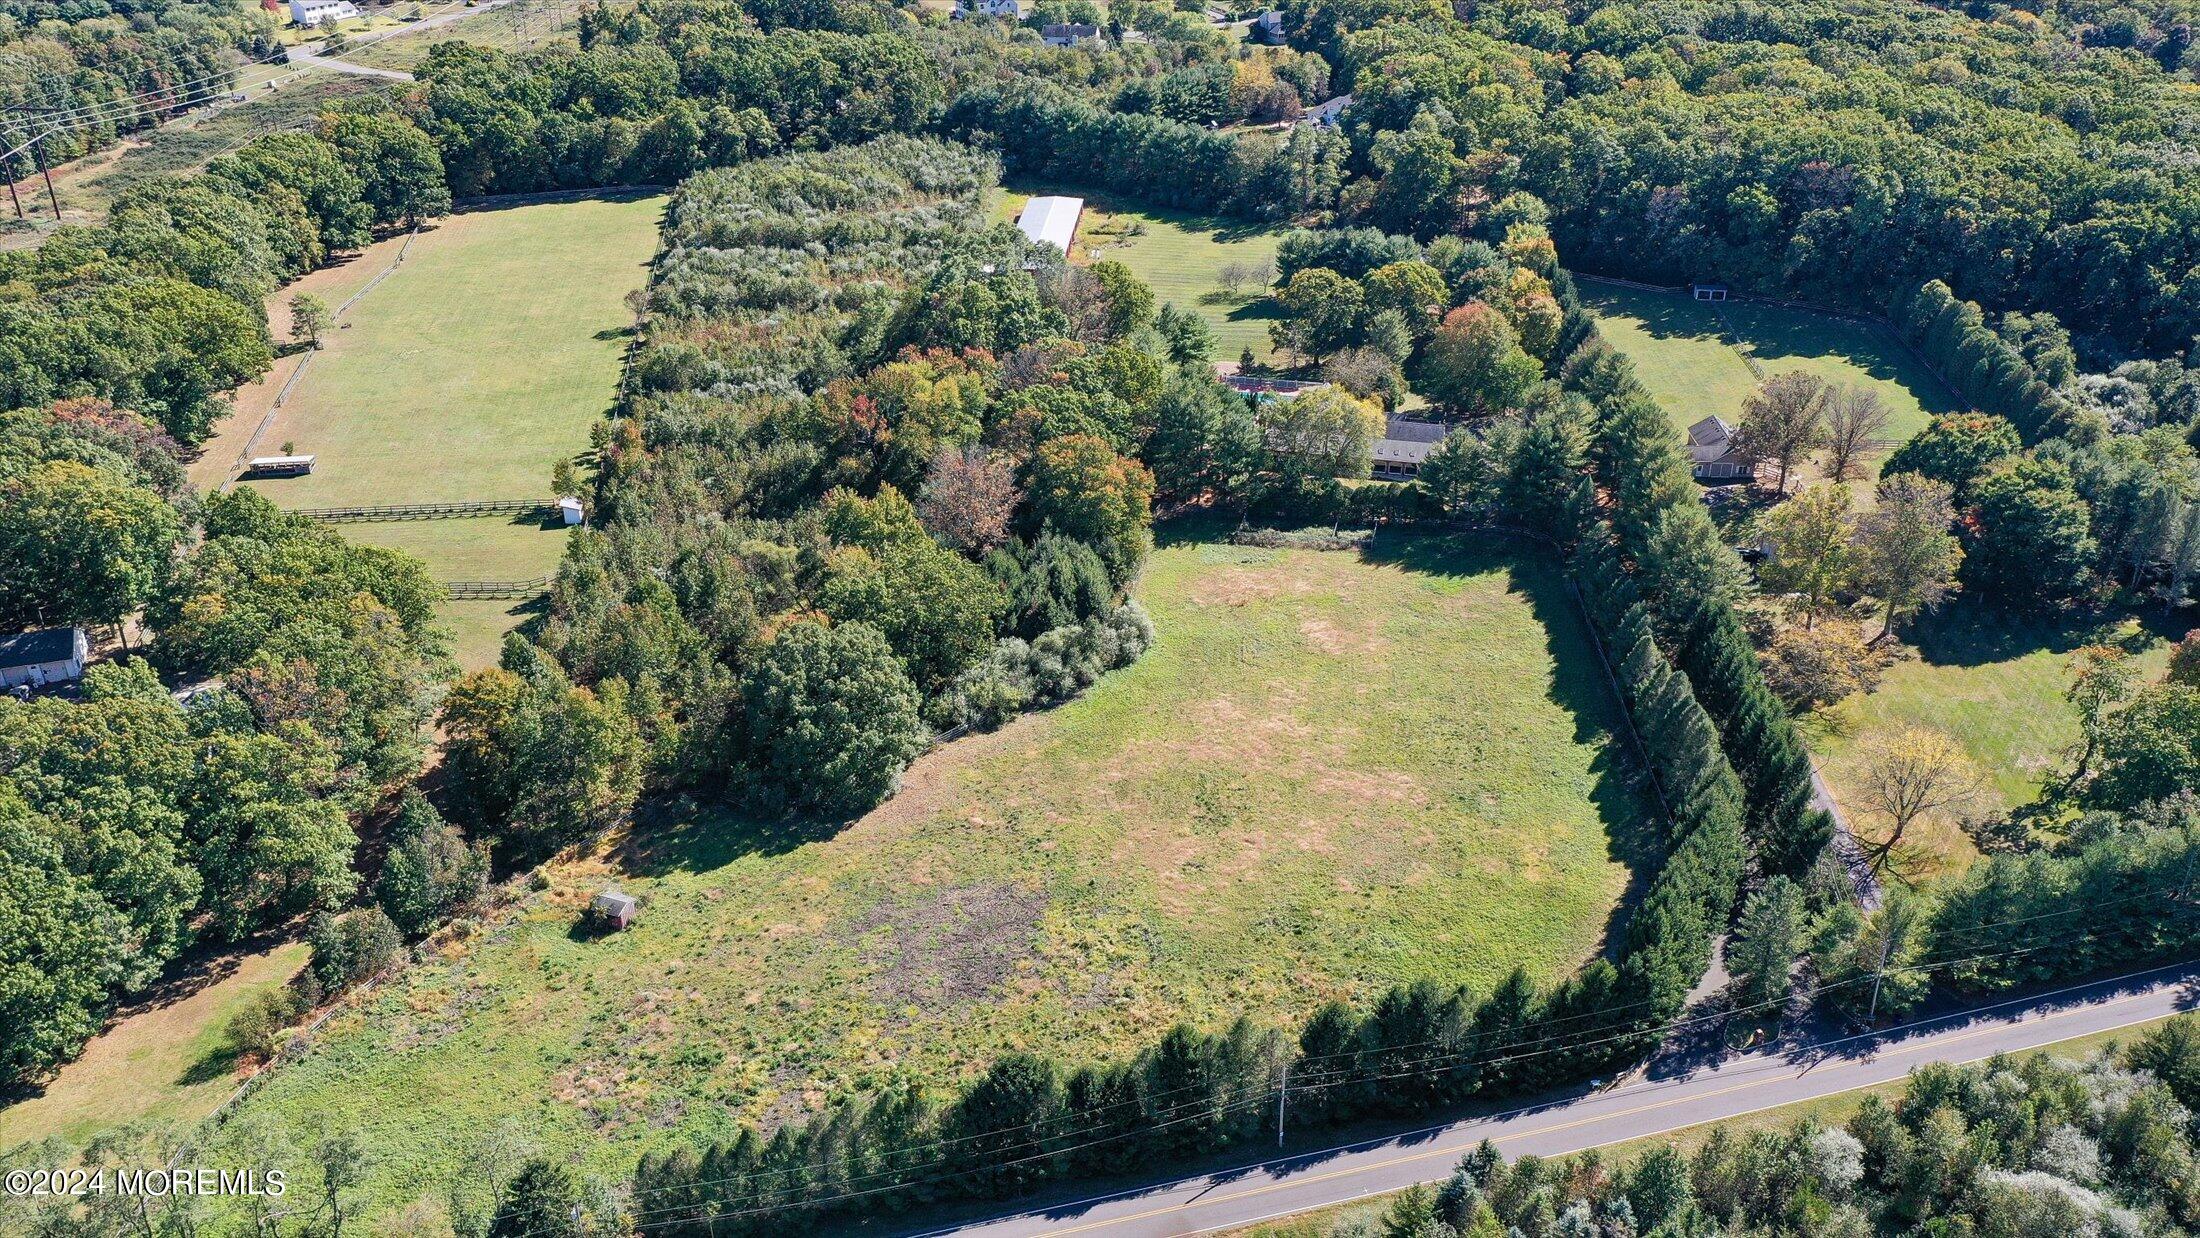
<point x="1329" y="774"/>
<point x="1180" y="256"/>
<point x="1995" y="685"/>
<point x="1696" y="367"/>
<point x="164" y="1065"/>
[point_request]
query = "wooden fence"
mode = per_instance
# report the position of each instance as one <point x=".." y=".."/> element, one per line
<point x="497" y="590"/>
<point x="426" y="511"/>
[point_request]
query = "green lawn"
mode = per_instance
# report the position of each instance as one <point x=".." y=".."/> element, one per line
<point x="509" y="27"/>
<point x="1695" y="370"/>
<point x="1995" y="685"/>
<point x="165" y="1066"/>
<point x="483" y="360"/>
<point x="475" y="548"/>
<point x="1178" y="255"/>
<point x="1328" y="775"/>
<point x="1678" y="349"/>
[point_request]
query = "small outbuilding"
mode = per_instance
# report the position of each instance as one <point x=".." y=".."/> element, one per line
<point x="42" y="658"/>
<point x="280" y="466"/>
<point x="570" y="510"/>
<point x="613" y="909"/>
<point x="1708" y="292"/>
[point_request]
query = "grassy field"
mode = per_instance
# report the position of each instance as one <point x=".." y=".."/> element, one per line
<point x="509" y="27"/>
<point x="165" y="1066"/>
<point x="1329" y="774"/>
<point x="478" y="364"/>
<point x="1995" y="685"/>
<point x="1695" y="369"/>
<point x="464" y="375"/>
<point x="1178" y="255"/>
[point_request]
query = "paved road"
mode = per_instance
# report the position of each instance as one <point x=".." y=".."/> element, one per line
<point x="1579" y="1121"/>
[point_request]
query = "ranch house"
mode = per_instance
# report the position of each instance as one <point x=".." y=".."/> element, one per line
<point x="1068" y="33"/>
<point x="1404" y="447"/>
<point x="314" y="12"/>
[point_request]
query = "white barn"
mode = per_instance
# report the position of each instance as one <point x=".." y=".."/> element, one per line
<point x="1052" y="221"/>
<point x="49" y="656"/>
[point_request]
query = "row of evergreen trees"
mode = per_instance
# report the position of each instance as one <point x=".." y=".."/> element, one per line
<point x="1985" y="369"/>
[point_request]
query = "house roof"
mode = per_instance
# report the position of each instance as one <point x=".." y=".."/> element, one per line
<point x="1710" y="432"/>
<point x="1072" y="29"/>
<point x="1053" y="220"/>
<point x="32" y="648"/>
<point x="1405" y="429"/>
<point x="1326" y="113"/>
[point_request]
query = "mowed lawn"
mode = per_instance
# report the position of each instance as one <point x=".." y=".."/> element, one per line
<point x="1695" y="370"/>
<point x="1328" y="775"/>
<point x="476" y="366"/>
<point x="1993" y="684"/>
<point x="1180" y="256"/>
<point x="511" y="548"/>
<point x="165" y="1066"/>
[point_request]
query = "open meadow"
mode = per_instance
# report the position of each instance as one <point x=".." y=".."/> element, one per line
<point x="1330" y="773"/>
<point x="1695" y="366"/>
<point x="1993" y="684"/>
<point x="164" y="1066"/>
<point x="1179" y="255"/>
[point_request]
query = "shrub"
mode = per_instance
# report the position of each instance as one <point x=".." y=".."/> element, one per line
<point x="1064" y="661"/>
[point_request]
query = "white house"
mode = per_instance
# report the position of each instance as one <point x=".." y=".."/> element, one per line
<point x="1327" y="113"/>
<point x="1068" y="33"/>
<point x="314" y="12"/>
<point x="49" y="656"/>
<point x="1051" y="221"/>
<point x="1711" y="452"/>
<point x="1009" y="10"/>
<point x="1268" y="28"/>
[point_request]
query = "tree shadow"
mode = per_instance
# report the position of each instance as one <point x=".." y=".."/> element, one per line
<point x="1620" y="792"/>
<point x="683" y="835"/>
<point x="1966" y="634"/>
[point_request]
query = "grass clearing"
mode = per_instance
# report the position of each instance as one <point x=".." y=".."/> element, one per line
<point x="1695" y="368"/>
<point x="1179" y="255"/>
<point x="165" y="1065"/>
<point x="1995" y="685"/>
<point x="1329" y="774"/>
<point x="477" y="365"/>
<point x="508" y="27"/>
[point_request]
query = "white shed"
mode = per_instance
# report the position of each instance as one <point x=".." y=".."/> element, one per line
<point x="571" y="511"/>
<point x="48" y="656"/>
<point x="1051" y="220"/>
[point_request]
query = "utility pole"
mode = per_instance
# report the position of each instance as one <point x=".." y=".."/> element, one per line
<point x="51" y="196"/>
<point x="1283" y="1089"/>
<point x="1886" y="947"/>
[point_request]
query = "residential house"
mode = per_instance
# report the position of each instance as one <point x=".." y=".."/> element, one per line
<point x="314" y="12"/>
<point x="1404" y="447"/>
<point x="1051" y="221"/>
<point x="48" y="656"/>
<point x="1711" y="452"/>
<point x="1069" y="34"/>
<point x="1006" y="10"/>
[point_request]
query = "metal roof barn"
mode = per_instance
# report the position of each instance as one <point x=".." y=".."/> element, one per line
<point x="1052" y="220"/>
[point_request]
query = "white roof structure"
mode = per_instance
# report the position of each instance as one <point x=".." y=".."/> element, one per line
<point x="1051" y="220"/>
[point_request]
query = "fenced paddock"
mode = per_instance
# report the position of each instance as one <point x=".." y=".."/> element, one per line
<point x="429" y="511"/>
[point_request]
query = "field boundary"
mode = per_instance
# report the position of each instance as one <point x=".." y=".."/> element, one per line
<point x="424" y="511"/>
<point x="496" y="590"/>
